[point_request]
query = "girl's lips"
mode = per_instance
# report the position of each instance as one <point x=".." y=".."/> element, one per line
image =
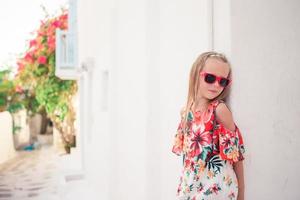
<point x="212" y="91"/>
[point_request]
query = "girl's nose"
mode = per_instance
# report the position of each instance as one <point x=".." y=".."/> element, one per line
<point x="216" y="84"/>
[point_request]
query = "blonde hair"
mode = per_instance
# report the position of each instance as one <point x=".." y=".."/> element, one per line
<point x="194" y="82"/>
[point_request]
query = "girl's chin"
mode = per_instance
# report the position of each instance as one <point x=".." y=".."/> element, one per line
<point x="210" y="96"/>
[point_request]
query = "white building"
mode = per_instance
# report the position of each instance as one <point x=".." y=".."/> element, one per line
<point x="138" y="54"/>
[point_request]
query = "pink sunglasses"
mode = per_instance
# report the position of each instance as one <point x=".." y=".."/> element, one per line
<point x="211" y="78"/>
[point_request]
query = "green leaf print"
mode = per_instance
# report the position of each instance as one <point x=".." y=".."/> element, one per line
<point x="191" y="187"/>
<point x="228" y="150"/>
<point x="227" y="180"/>
<point x="236" y="141"/>
<point x="242" y="148"/>
<point x="200" y="187"/>
<point x="207" y="192"/>
<point x="190" y="117"/>
<point x="208" y="149"/>
<point x="196" y="170"/>
<point x="202" y="155"/>
<point x="188" y="173"/>
<point x="215" y="163"/>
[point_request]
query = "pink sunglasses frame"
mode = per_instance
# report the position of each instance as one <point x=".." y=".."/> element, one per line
<point x="218" y="78"/>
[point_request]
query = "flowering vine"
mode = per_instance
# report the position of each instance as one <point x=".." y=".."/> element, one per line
<point x="37" y="81"/>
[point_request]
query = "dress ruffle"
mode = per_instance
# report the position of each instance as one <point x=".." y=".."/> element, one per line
<point x="229" y="144"/>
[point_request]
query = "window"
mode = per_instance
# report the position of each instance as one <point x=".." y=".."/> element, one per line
<point x="66" y="55"/>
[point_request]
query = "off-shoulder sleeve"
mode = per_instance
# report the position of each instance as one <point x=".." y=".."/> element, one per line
<point x="231" y="144"/>
<point x="179" y="137"/>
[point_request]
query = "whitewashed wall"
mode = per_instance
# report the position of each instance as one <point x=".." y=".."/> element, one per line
<point x="7" y="149"/>
<point x="265" y="54"/>
<point x="22" y="137"/>
<point x="145" y="49"/>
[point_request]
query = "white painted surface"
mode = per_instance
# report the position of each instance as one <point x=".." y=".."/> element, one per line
<point x="7" y="150"/>
<point x="143" y="51"/>
<point x="265" y="98"/>
<point x="22" y="136"/>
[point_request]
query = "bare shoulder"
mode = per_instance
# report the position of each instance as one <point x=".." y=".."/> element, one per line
<point x="224" y="116"/>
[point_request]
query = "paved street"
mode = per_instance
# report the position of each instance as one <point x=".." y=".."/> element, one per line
<point x="31" y="175"/>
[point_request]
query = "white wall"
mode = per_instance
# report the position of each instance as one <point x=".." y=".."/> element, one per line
<point x="265" y="54"/>
<point x="7" y="149"/>
<point x="22" y="137"/>
<point x="147" y="49"/>
<point x="183" y="33"/>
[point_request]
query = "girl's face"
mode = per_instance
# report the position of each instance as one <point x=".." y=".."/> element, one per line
<point x="218" y="68"/>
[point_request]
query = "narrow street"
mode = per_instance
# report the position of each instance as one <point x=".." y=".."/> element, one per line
<point x="32" y="175"/>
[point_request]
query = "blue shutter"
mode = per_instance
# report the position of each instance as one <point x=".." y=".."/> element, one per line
<point x="66" y="46"/>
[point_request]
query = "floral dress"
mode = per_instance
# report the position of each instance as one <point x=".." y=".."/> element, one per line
<point x="209" y="150"/>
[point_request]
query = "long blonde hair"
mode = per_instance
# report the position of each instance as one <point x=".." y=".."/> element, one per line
<point x="194" y="82"/>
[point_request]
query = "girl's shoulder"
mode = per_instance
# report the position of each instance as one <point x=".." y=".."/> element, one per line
<point x="216" y="102"/>
<point x="224" y="115"/>
<point x="220" y="105"/>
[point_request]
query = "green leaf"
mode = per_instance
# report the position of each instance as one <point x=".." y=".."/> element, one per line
<point x="15" y="107"/>
<point x="215" y="163"/>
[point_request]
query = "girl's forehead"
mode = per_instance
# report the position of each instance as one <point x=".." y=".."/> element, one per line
<point x="216" y="66"/>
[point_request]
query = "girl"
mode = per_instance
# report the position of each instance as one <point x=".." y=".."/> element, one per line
<point x="210" y="141"/>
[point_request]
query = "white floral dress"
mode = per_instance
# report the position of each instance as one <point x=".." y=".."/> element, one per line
<point x="209" y="151"/>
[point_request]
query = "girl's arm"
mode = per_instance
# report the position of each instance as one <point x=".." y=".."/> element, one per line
<point x="239" y="171"/>
<point x="224" y="115"/>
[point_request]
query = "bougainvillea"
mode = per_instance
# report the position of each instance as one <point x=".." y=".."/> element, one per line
<point x="36" y="79"/>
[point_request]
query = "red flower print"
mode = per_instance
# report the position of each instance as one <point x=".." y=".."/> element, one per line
<point x="200" y="188"/>
<point x="226" y="142"/>
<point x="178" y="144"/>
<point x="215" y="189"/>
<point x="187" y="163"/>
<point x="231" y="195"/>
<point x="199" y="140"/>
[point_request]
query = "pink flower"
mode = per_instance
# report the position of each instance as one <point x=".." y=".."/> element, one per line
<point x="19" y="89"/>
<point x="28" y="57"/>
<point x="42" y="60"/>
<point x="51" y="43"/>
<point x="50" y="31"/>
<point x="32" y="43"/>
<point x="56" y="23"/>
<point x="20" y="66"/>
<point x="63" y="17"/>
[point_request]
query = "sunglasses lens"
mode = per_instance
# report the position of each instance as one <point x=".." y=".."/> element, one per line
<point x="209" y="78"/>
<point x="224" y="82"/>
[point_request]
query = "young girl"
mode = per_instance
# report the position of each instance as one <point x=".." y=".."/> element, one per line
<point x="210" y="141"/>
